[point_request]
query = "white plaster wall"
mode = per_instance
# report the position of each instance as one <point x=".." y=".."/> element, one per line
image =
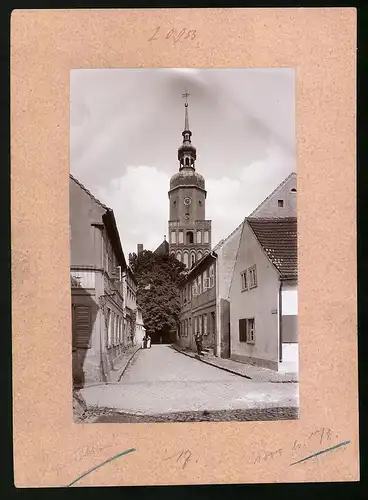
<point x="271" y="209"/>
<point x="226" y="261"/>
<point x="289" y="300"/>
<point x="260" y="302"/>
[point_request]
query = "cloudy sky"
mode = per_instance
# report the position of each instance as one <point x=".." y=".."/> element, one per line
<point x="126" y="128"/>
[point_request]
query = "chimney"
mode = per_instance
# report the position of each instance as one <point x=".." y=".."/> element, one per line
<point x="139" y="248"/>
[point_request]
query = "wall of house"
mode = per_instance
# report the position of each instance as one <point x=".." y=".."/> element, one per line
<point x="225" y="328"/>
<point x="289" y="325"/>
<point x="259" y="303"/>
<point x="271" y="206"/>
<point x="85" y="239"/>
<point x="196" y="307"/>
<point x="226" y="257"/>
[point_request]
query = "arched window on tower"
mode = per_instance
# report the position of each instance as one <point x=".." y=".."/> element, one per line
<point x="186" y="161"/>
<point x="199" y="255"/>
<point x="178" y="256"/>
<point x="190" y="237"/>
<point x="206" y="237"/>
<point x="186" y="259"/>
<point x="181" y="237"/>
<point x="173" y="236"/>
<point x="192" y="259"/>
<point x="199" y="236"/>
<point x="173" y="253"/>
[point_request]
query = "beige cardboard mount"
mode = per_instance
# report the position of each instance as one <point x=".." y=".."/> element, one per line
<point x="49" y="449"/>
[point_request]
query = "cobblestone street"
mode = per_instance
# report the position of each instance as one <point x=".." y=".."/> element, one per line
<point x="161" y="384"/>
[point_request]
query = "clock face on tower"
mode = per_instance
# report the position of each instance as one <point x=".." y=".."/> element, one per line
<point x="187" y="200"/>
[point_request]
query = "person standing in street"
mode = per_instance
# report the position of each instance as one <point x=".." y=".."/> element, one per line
<point x="148" y="342"/>
<point x="199" y="339"/>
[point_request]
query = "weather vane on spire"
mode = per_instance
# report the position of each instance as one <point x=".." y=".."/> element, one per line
<point x="185" y="95"/>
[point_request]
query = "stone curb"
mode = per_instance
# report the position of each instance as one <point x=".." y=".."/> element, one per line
<point x="128" y="363"/>
<point x="229" y="370"/>
<point x="211" y="364"/>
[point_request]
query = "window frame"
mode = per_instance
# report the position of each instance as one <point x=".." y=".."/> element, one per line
<point x="244" y="280"/>
<point x="253" y="283"/>
<point x="251" y="339"/>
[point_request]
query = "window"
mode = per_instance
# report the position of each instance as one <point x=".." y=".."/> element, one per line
<point x="280" y="203"/>
<point x="205" y="280"/>
<point x="190" y="237"/>
<point x="244" y="283"/>
<point x="205" y="331"/>
<point x="192" y="259"/>
<point x="195" y="325"/>
<point x="181" y="237"/>
<point x="213" y="323"/>
<point x="252" y="277"/>
<point x="199" y="255"/>
<point x="108" y="327"/>
<point x="211" y="281"/>
<point x="199" y="236"/>
<point x="178" y="256"/>
<point x="247" y="330"/>
<point x="250" y="331"/>
<point x="206" y="237"/>
<point x="199" y="284"/>
<point x="186" y="259"/>
<point x="194" y="289"/>
<point x="173" y="237"/>
<point x="293" y="190"/>
<point x="200" y="324"/>
<point x="82" y="326"/>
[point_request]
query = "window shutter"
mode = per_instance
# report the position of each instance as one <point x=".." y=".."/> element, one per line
<point x="82" y="326"/>
<point x="242" y="330"/>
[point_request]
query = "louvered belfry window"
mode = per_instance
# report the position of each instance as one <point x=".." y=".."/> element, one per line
<point x="82" y="326"/>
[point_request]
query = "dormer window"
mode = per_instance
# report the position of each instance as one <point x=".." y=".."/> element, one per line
<point x="280" y="203"/>
<point x="293" y="190"/>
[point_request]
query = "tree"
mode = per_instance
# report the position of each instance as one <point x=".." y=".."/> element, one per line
<point x="158" y="278"/>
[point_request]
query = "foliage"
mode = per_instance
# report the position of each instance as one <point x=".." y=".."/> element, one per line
<point x="158" y="278"/>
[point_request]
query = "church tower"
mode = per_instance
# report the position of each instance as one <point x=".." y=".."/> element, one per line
<point x="189" y="231"/>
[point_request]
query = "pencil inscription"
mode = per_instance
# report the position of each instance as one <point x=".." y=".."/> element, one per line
<point x="173" y="34"/>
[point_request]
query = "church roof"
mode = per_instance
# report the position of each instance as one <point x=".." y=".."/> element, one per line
<point x="278" y="238"/>
<point x="163" y="248"/>
<point x="187" y="176"/>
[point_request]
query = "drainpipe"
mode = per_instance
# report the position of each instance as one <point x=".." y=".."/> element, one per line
<point x="280" y="322"/>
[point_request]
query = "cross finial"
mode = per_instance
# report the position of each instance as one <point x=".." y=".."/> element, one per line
<point x="185" y="96"/>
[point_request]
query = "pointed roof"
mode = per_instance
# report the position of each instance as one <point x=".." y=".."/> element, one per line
<point x="278" y="238"/>
<point x="163" y="248"/>
<point x="254" y="213"/>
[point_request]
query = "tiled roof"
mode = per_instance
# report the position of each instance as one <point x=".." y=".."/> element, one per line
<point x="278" y="238"/>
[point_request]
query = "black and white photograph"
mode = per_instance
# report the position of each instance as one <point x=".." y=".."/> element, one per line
<point x="183" y="245"/>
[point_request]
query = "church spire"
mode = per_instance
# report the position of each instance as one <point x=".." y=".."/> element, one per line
<point x="187" y="152"/>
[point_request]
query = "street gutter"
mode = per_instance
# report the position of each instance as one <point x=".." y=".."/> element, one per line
<point x="207" y="362"/>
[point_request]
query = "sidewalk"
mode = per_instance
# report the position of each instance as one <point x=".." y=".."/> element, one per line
<point x="122" y="363"/>
<point x="255" y="373"/>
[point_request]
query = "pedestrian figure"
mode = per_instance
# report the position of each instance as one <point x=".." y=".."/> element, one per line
<point x="144" y="342"/>
<point x="198" y="339"/>
<point x="148" y="342"/>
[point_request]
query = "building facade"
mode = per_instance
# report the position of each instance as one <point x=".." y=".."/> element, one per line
<point x="130" y="309"/>
<point x="189" y="231"/>
<point x="198" y="305"/>
<point x="281" y="202"/>
<point x="264" y="296"/>
<point x="97" y="269"/>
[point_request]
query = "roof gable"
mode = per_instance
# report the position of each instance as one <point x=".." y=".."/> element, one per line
<point x="266" y="201"/>
<point x="278" y="238"/>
